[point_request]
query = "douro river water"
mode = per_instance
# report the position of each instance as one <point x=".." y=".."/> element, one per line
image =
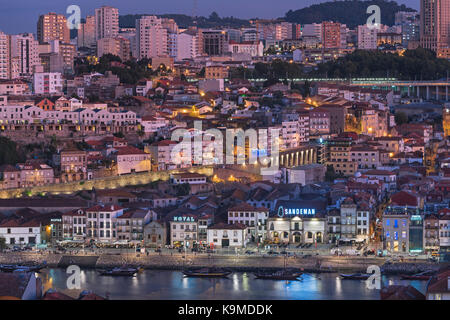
<point x="161" y="284"/>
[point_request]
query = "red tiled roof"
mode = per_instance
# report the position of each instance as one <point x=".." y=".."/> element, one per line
<point x="99" y="208"/>
<point x="405" y="198"/>
<point x="245" y="207"/>
<point x="122" y="151"/>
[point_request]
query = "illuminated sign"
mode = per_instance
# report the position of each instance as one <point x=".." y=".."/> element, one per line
<point x="183" y="219"/>
<point x="295" y="212"/>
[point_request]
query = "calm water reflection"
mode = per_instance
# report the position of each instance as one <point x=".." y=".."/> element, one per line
<point x="155" y="284"/>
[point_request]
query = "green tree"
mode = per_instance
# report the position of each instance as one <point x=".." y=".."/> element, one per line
<point x="9" y="152"/>
<point x="183" y="189"/>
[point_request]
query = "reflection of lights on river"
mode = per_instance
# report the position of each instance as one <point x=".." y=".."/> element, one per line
<point x="185" y="282"/>
<point x="235" y="282"/>
<point x="338" y="285"/>
<point x="245" y="286"/>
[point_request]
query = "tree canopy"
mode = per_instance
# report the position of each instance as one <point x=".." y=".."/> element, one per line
<point x="339" y="11"/>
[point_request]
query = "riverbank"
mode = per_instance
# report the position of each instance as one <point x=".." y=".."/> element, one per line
<point x="176" y="261"/>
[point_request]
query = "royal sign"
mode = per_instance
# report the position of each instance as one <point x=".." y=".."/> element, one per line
<point x="183" y="219"/>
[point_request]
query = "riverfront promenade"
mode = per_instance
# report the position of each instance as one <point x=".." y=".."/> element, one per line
<point x="178" y="261"/>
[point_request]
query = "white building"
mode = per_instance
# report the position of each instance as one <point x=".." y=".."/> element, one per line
<point x="16" y="233"/>
<point x="106" y="22"/>
<point x="151" y="38"/>
<point x="101" y="224"/>
<point x="254" y="218"/>
<point x="362" y="223"/>
<point x="30" y="114"/>
<point x="184" y="231"/>
<point x="253" y="48"/>
<point x="190" y="178"/>
<point x="224" y="235"/>
<point x="24" y="48"/>
<point x="444" y="230"/>
<point x="161" y="153"/>
<point x="367" y="38"/>
<point x="4" y="56"/>
<point x="130" y="160"/>
<point x="187" y="46"/>
<point x="47" y="83"/>
<point x="152" y="124"/>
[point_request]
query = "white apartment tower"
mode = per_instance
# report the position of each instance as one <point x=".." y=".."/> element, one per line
<point x="367" y="38"/>
<point x="4" y="56"/>
<point x="24" y="48"/>
<point x="151" y="37"/>
<point x="106" y="22"/>
<point x="187" y="45"/>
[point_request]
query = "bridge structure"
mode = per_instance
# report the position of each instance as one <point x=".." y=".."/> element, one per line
<point x="298" y="156"/>
<point x="429" y="90"/>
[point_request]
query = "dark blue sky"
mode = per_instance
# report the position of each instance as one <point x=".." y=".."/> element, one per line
<point x="18" y="16"/>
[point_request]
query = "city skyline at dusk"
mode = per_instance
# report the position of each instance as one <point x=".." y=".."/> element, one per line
<point x="237" y="162"/>
<point x="19" y="16"/>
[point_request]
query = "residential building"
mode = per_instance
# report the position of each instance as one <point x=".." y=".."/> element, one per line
<point x="102" y="223"/>
<point x="224" y="235"/>
<point x="106" y="22"/>
<point x="73" y="165"/>
<point x="17" y="232"/>
<point x="331" y="34"/>
<point x="130" y="160"/>
<point x="367" y="38"/>
<point x="74" y="225"/>
<point x="47" y="83"/>
<point x="24" y="48"/>
<point x="116" y="46"/>
<point x="212" y="42"/>
<point x="435" y="24"/>
<point x="187" y="45"/>
<point x="86" y="33"/>
<point x="254" y="218"/>
<point x="396" y="231"/>
<point x="130" y="225"/>
<point x="51" y="27"/>
<point x="184" y="231"/>
<point x="151" y="37"/>
<point x="349" y="220"/>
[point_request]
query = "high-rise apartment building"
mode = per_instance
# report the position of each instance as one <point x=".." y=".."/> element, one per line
<point x="187" y="45"/>
<point x="284" y="30"/>
<point x="52" y="26"/>
<point x="312" y="30"/>
<point x="367" y="38"/>
<point x="86" y="33"/>
<point x="24" y="48"/>
<point x="331" y="34"/>
<point x="4" y="56"/>
<point x="117" y="46"/>
<point x="213" y="42"/>
<point x="106" y="22"/>
<point x="435" y="24"/>
<point x="151" y="37"/>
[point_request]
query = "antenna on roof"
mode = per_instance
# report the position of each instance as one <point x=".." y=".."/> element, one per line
<point x="194" y="11"/>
